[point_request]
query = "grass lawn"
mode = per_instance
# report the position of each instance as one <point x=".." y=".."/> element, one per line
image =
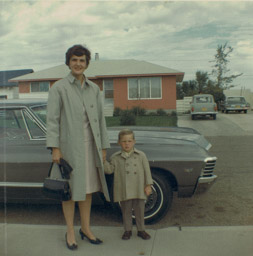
<point x="145" y="121"/>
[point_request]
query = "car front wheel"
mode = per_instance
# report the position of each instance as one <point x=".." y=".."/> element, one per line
<point x="159" y="202"/>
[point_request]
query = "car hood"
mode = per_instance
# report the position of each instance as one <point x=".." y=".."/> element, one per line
<point x="163" y="135"/>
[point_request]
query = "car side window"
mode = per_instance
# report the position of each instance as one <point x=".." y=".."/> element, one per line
<point x="34" y="130"/>
<point x="12" y="126"/>
<point x="17" y="124"/>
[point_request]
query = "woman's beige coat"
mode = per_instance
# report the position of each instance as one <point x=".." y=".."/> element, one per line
<point x="131" y="175"/>
<point x="65" y="119"/>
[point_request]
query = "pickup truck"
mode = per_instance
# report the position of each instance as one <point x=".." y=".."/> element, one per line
<point x="234" y="103"/>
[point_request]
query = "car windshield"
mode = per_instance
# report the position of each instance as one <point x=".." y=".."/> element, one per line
<point x="40" y="112"/>
<point x="236" y="100"/>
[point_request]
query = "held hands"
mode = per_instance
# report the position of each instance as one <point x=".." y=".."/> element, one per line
<point x="56" y="155"/>
<point x="104" y="154"/>
<point x="148" y="190"/>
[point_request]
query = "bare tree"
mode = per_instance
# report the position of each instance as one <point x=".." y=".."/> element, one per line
<point x="220" y="69"/>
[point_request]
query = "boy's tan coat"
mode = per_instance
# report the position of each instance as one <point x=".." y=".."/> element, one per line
<point x="131" y="175"/>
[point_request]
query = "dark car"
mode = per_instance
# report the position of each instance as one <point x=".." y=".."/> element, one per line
<point x="234" y="103"/>
<point x="178" y="158"/>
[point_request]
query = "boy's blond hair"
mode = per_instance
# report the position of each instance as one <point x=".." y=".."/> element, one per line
<point x="125" y="132"/>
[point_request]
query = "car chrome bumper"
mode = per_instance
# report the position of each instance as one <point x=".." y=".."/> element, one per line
<point x="237" y="109"/>
<point x="204" y="113"/>
<point x="210" y="179"/>
<point x="204" y="184"/>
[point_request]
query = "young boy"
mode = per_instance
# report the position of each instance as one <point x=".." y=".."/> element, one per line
<point x="132" y="182"/>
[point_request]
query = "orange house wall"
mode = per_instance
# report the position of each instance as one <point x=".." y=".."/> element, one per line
<point x="167" y="102"/>
<point x="24" y="87"/>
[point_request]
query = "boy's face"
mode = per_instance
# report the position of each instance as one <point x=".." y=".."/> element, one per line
<point x="127" y="142"/>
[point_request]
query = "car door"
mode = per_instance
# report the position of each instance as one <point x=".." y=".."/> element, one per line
<point x="24" y="159"/>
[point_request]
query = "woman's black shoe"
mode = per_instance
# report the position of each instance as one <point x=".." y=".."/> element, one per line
<point x="71" y="247"/>
<point x="92" y="241"/>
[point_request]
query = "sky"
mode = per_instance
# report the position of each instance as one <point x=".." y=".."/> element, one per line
<point x="179" y="35"/>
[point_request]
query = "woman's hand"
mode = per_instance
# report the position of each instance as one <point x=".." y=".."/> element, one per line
<point x="148" y="190"/>
<point x="56" y="155"/>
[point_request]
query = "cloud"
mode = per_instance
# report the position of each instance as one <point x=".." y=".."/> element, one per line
<point x="180" y="35"/>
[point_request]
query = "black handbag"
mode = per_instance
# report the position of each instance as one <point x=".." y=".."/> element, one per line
<point x="57" y="189"/>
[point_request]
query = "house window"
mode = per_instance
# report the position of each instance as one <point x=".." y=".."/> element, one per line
<point x="108" y="88"/>
<point x="39" y="86"/>
<point x="144" y="88"/>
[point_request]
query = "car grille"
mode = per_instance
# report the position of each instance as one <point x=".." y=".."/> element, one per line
<point x="209" y="167"/>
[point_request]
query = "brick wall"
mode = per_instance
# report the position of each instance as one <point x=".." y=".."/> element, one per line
<point x="24" y="87"/>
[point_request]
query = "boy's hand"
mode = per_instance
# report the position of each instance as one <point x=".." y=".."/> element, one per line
<point x="148" y="190"/>
<point x="104" y="154"/>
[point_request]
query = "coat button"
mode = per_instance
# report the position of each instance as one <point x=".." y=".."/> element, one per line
<point x="95" y="120"/>
<point x="127" y="172"/>
<point x="135" y="172"/>
<point x="91" y="105"/>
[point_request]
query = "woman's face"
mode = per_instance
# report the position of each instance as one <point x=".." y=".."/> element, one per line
<point x="77" y="65"/>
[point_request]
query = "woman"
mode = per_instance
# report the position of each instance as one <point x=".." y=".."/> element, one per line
<point x="76" y="131"/>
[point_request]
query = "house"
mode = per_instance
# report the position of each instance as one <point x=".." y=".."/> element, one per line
<point x="123" y="83"/>
<point x="10" y="89"/>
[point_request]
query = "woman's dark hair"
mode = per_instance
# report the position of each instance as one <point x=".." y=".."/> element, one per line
<point x="77" y="50"/>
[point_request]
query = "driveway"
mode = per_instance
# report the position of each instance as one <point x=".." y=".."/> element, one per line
<point x="232" y="124"/>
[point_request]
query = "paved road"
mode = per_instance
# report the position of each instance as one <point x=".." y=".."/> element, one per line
<point x="232" y="124"/>
<point x="229" y="202"/>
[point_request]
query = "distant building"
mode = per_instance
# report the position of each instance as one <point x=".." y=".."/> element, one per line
<point x="10" y="89"/>
<point x="123" y="83"/>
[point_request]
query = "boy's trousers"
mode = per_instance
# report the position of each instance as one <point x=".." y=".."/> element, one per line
<point x="138" y="205"/>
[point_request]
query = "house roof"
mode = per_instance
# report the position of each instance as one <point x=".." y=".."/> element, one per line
<point x="103" y="69"/>
<point x="6" y="75"/>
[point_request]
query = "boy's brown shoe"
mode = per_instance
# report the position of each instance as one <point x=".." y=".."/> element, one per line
<point x="127" y="235"/>
<point x="144" y="235"/>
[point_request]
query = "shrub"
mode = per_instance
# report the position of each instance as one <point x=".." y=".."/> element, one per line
<point x="138" y="111"/>
<point x="152" y="114"/>
<point x="117" y="111"/>
<point x="161" y="112"/>
<point x="127" y="118"/>
<point x="173" y="113"/>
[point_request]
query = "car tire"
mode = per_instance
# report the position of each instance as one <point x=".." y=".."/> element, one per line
<point x="226" y="111"/>
<point x="214" y="116"/>
<point x="193" y="117"/>
<point x="159" y="202"/>
<point x="245" y="111"/>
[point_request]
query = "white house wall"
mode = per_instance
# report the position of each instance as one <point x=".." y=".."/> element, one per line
<point x="33" y="95"/>
<point x="11" y="92"/>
